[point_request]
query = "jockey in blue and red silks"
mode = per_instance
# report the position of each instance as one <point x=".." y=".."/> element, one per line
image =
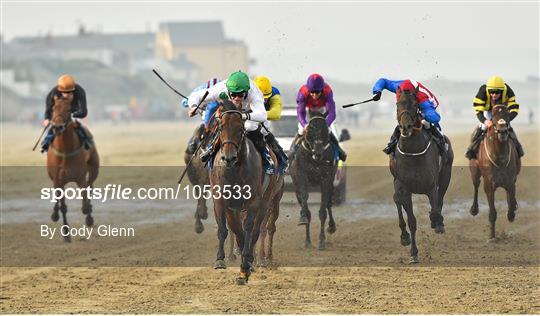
<point x="316" y="95"/>
<point x="427" y="103"/>
<point x="207" y="116"/>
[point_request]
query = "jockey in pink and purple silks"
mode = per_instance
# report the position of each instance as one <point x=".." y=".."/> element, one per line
<point x="316" y="95"/>
<point x="427" y="104"/>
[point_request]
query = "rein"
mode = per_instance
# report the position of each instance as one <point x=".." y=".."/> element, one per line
<point x="307" y="145"/>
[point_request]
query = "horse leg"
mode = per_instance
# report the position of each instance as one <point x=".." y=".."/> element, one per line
<point x="411" y="220"/>
<point x="262" y="255"/>
<point x="326" y="195"/>
<point x="435" y="215"/>
<point x="199" y="227"/>
<point x="331" y="223"/>
<point x="490" y="194"/>
<point x="271" y="228"/>
<point x="65" y="227"/>
<point x="232" y="240"/>
<point x="86" y="205"/>
<point x="445" y="174"/>
<point x="247" y="251"/>
<point x="202" y="209"/>
<point x="222" y="232"/>
<point x="405" y="237"/>
<point x="55" y="216"/>
<point x="237" y="236"/>
<point x="475" y="176"/>
<point x="512" y="203"/>
<point x="302" y="196"/>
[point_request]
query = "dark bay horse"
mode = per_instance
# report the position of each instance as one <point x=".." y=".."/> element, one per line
<point x="417" y="168"/>
<point x="314" y="164"/>
<point x="498" y="163"/>
<point x="68" y="161"/>
<point x="238" y="168"/>
<point x="198" y="175"/>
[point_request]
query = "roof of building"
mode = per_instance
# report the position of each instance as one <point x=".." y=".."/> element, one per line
<point x="195" y="33"/>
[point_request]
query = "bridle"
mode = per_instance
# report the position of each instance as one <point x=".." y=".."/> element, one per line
<point x="228" y="141"/>
<point x="413" y="118"/>
<point x="306" y="144"/>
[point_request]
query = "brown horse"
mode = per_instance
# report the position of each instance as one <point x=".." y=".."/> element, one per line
<point x="198" y="175"/>
<point x="314" y="164"/>
<point x="497" y="162"/>
<point x="238" y="168"/>
<point x="68" y="161"/>
<point x="417" y="169"/>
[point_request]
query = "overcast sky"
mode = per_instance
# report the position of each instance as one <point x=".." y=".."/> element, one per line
<point x="349" y="41"/>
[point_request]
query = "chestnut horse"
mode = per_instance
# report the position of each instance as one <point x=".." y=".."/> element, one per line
<point x="238" y="168"/>
<point x="68" y="161"/>
<point x="497" y="162"/>
<point x="417" y="168"/>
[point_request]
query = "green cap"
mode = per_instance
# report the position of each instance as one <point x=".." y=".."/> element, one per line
<point x="238" y="82"/>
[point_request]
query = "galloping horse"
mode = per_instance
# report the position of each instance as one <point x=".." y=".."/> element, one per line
<point x="68" y="161"/>
<point x="314" y="164"/>
<point x="238" y="167"/>
<point x="497" y="162"/>
<point x="417" y="169"/>
<point x="198" y="176"/>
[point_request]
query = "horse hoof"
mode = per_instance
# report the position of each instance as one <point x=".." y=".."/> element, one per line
<point x="87" y="210"/>
<point x="55" y="216"/>
<point x="413" y="260"/>
<point x="67" y="239"/>
<point x="331" y="229"/>
<point x="492" y="240"/>
<point x="199" y="228"/>
<point x="241" y="281"/>
<point x="322" y="246"/>
<point x="511" y="216"/>
<point x="89" y="220"/>
<point x="303" y="221"/>
<point x="439" y="229"/>
<point x="474" y="210"/>
<point x="220" y="264"/>
<point x="405" y="240"/>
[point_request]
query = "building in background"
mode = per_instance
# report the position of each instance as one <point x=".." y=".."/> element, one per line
<point x="203" y="44"/>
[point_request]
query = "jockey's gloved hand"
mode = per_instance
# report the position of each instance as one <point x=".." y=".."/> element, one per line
<point x="426" y="124"/>
<point x="377" y="96"/>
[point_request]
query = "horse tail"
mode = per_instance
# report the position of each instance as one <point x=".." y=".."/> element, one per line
<point x="445" y="172"/>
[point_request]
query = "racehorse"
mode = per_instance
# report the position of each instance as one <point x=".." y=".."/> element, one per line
<point x="498" y="163"/>
<point x="314" y="163"/>
<point x="198" y="175"/>
<point x="238" y="167"/>
<point x="68" y="161"/>
<point x="417" y="168"/>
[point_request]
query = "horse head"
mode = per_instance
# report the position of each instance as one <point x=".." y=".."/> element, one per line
<point x="61" y="115"/>
<point x="317" y="135"/>
<point x="231" y="133"/>
<point x="501" y="118"/>
<point x="408" y="113"/>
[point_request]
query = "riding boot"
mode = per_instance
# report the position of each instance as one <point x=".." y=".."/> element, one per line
<point x="192" y="143"/>
<point x="341" y="153"/>
<point x="391" y="147"/>
<point x="280" y="154"/>
<point x="513" y="137"/>
<point x="211" y="149"/>
<point x="47" y="141"/>
<point x="476" y="139"/>
<point x="258" y="140"/>
<point x="294" y="146"/>
<point x="85" y="139"/>
<point x="439" y="139"/>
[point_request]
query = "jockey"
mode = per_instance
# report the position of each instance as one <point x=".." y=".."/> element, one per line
<point x="427" y="102"/>
<point x="494" y="92"/>
<point x="207" y="116"/>
<point x="241" y="91"/>
<point x="316" y="95"/>
<point x="273" y="106"/>
<point x="67" y="88"/>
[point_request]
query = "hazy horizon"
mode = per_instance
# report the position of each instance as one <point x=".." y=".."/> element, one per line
<point x="350" y="42"/>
